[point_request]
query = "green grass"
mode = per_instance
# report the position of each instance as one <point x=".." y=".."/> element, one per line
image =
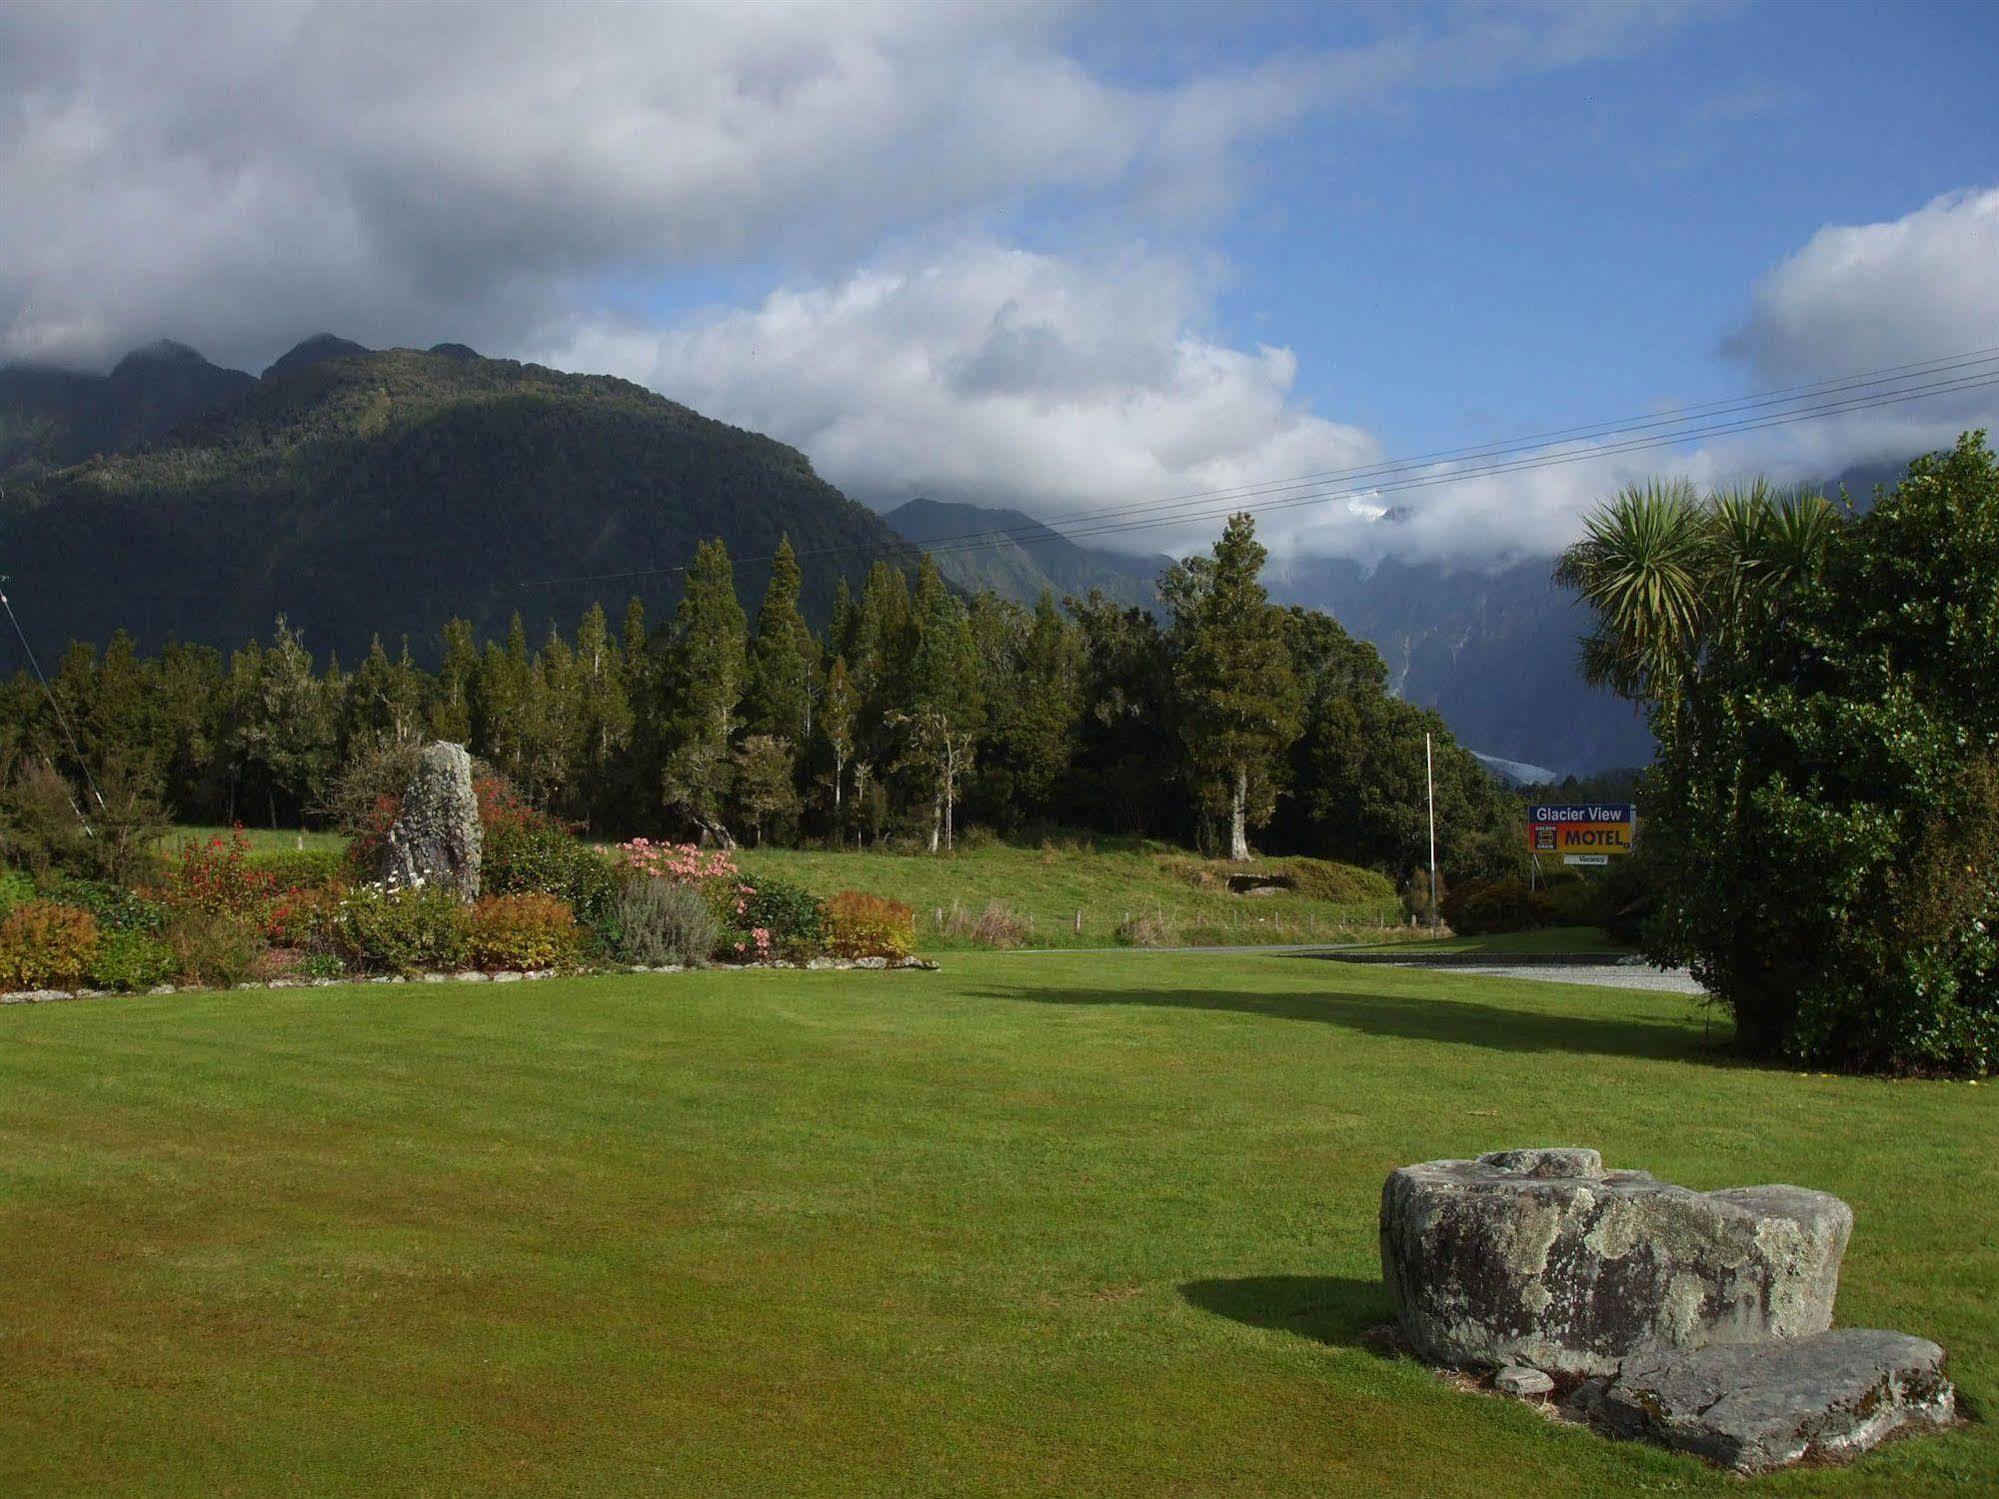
<point x="262" y="840"/>
<point x="1554" y="939"/>
<point x="1089" y="1225"/>
<point x="1105" y="880"/>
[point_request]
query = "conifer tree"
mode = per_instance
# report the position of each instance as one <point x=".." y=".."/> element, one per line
<point x="945" y="715"/>
<point x="784" y="658"/>
<point x="450" y="710"/>
<point x="1237" y="698"/>
<point x="708" y="664"/>
<point x="1041" y="731"/>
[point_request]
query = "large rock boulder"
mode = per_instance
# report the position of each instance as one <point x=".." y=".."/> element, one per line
<point x="436" y="837"/>
<point x="1543" y="1258"/>
<point x="1756" y="1407"/>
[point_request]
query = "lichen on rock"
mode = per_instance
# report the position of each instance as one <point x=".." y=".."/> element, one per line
<point x="436" y="838"/>
<point x="1543" y="1258"/>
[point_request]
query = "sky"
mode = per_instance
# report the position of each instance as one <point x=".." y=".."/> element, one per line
<point x="1069" y="259"/>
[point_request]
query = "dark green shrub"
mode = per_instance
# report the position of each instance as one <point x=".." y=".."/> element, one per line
<point x="116" y="908"/>
<point x="528" y="857"/>
<point x="132" y="961"/>
<point x="46" y="945"/>
<point x="300" y="868"/>
<point x="1502" y="905"/>
<point x="400" y="931"/>
<point x="659" y="922"/>
<point x="793" y="915"/>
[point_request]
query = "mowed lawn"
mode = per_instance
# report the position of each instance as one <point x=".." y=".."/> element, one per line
<point x="1085" y="1225"/>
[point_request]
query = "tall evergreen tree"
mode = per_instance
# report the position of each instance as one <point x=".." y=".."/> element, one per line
<point x="450" y="711"/>
<point x="1237" y="697"/>
<point x="784" y="658"/>
<point x="941" y="724"/>
<point x="709" y="662"/>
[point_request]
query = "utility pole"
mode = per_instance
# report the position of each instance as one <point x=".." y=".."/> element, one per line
<point x="1430" y="784"/>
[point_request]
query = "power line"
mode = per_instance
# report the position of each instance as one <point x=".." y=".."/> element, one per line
<point x="1972" y="371"/>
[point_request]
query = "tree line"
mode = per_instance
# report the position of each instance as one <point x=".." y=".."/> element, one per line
<point x="916" y="711"/>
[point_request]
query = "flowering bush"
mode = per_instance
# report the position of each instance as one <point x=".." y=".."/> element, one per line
<point x="523" y="931"/>
<point x="866" y="926"/>
<point x="776" y="914"/>
<point x="677" y="863"/>
<point x="44" y="945"/>
<point x="400" y="931"/>
<point x="304" y="919"/>
<point x="215" y="876"/>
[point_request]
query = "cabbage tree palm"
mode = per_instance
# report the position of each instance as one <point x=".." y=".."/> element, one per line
<point x="1670" y="576"/>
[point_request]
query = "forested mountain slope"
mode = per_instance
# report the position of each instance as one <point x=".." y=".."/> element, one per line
<point x="360" y="492"/>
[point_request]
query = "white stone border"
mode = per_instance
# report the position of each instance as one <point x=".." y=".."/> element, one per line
<point x="465" y="976"/>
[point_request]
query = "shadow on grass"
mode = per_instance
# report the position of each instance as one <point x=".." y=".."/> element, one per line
<point x="1460" y="1022"/>
<point x="1330" y="1309"/>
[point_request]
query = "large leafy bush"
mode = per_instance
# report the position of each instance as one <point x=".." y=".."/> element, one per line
<point x="867" y="926"/>
<point x="401" y="931"/>
<point x="132" y="960"/>
<point x="528" y="930"/>
<point x="791" y="918"/>
<point x="215" y="875"/>
<point x="527" y="852"/>
<point x="1824" y="813"/>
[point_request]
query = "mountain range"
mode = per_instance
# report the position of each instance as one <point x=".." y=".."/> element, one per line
<point x="1017" y="557"/>
<point x="359" y="491"/>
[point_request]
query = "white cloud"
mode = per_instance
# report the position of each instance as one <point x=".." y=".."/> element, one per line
<point x="1866" y="296"/>
<point x="1070" y="387"/>
<point x="238" y="175"/>
<point x="999" y="376"/>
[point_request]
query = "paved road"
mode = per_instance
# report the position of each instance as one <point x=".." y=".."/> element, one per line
<point x="1617" y="976"/>
<point x="1611" y="976"/>
<point x="1273" y="947"/>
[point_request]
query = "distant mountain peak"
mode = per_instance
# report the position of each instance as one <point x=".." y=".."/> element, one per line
<point x="161" y="351"/>
<point x="315" y="350"/>
<point x="453" y="351"/>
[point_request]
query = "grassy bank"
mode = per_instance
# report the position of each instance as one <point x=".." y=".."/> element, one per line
<point x="1098" y="1225"/>
<point x="1158" y="894"/>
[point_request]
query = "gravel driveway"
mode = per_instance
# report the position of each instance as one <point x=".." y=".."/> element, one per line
<point x="1611" y="976"/>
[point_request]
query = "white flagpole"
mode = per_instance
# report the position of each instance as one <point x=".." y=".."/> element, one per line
<point x="1430" y="781"/>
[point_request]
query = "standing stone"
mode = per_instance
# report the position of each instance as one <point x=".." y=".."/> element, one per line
<point x="436" y="837"/>
<point x="1544" y="1259"/>
<point x="1753" y="1408"/>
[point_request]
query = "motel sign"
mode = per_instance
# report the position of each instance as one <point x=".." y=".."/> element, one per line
<point x="1582" y="832"/>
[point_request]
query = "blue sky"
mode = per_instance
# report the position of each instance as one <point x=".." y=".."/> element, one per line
<point x="1574" y="246"/>
<point x="1048" y="254"/>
